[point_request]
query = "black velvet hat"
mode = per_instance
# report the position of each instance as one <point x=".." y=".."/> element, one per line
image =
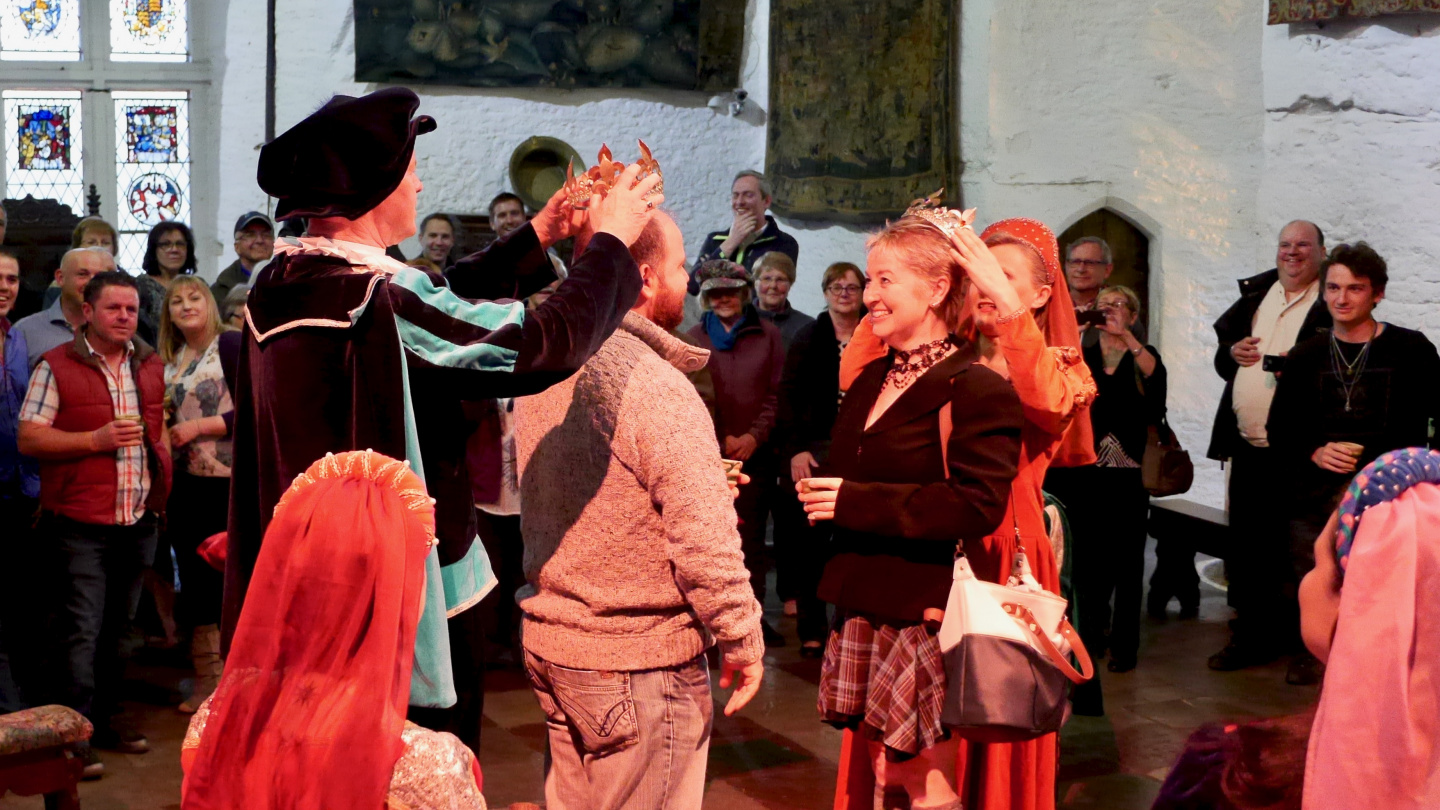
<point x="344" y="159"/>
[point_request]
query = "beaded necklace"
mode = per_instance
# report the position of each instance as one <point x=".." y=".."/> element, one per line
<point x="907" y="366"/>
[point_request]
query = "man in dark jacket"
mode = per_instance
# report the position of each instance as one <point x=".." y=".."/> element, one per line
<point x="347" y="348"/>
<point x="752" y="233"/>
<point x="1276" y="309"/>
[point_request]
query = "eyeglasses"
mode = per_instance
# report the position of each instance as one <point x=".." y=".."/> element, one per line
<point x="252" y="236"/>
<point x="1090" y="263"/>
<point x="844" y="289"/>
<point x="170" y="245"/>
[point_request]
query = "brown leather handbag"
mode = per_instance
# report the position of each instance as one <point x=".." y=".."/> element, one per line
<point x="1166" y="468"/>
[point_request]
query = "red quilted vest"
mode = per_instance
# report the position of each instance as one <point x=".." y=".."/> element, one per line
<point x="84" y="488"/>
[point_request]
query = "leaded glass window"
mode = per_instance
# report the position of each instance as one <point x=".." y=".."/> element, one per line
<point x="42" y="147"/>
<point x="40" y="29"/>
<point x="152" y="166"/>
<point x="149" y="31"/>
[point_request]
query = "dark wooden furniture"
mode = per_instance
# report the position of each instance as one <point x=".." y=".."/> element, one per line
<point x="38" y="232"/>
<point x="38" y="757"/>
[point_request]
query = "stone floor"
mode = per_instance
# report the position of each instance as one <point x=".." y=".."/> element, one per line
<point x="776" y="756"/>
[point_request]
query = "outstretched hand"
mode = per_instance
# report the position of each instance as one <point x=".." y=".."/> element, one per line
<point x="557" y="220"/>
<point x="625" y="210"/>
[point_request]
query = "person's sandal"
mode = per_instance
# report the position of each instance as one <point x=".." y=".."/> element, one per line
<point x="812" y="649"/>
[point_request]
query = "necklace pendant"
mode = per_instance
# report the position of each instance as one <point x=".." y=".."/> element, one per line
<point x="1347" y="406"/>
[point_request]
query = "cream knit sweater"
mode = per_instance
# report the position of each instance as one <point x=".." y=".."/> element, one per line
<point x="632" y="556"/>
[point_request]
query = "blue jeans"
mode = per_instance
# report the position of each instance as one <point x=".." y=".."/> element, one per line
<point x="625" y="740"/>
<point x="100" y="594"/>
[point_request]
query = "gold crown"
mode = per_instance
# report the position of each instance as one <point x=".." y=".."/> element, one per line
<point x="948" y="220"/>
<point x="601" y="177"/>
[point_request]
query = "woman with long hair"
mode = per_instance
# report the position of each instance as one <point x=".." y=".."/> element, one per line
<point x="311" y="710"/>
<point x="194" y="345"/>
<point x="1018" y="310"/>
<point x="898" y="500"/>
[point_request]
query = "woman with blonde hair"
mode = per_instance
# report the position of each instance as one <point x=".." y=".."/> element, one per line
<point x="1018" y="311"/>
<point x="899" y="497"/>
<point x="194" y="345"/>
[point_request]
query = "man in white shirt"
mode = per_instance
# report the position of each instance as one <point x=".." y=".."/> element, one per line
<point x="1276" y="309"/>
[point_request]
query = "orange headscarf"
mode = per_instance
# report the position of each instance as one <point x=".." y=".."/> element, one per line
<point x="1077" y="446"/>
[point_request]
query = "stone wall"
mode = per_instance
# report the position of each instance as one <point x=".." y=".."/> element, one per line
<point x="1352" y="141"/>
<point x="1153" y="111"/>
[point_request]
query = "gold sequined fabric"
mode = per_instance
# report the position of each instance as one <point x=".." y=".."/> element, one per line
<point x="434" y="773"/>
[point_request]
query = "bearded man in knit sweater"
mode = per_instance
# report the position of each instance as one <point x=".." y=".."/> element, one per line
<point x="632" y="560"/>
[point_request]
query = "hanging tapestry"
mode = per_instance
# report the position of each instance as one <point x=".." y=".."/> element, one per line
<point x="861" y="106"/>
<point x="1288" y="11"/>
<point x="680" y="44"/>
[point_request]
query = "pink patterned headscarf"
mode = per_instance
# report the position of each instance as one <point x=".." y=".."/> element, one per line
<point x="1376" y="740"/>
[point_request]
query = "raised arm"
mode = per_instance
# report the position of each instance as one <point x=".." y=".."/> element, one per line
<point x="1053" y="383"/>
<point x="512" y="268"/>
<point x="500" y="350"/>
<point x="983" y="455"/>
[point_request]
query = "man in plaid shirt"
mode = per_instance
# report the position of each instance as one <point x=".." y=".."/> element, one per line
<point x="94" y="417"/>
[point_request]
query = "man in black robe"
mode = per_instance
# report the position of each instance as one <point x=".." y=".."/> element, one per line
<point x="349" y="349"/>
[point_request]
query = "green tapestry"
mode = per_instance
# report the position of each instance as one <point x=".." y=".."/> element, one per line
<point x="1288" y="11"/>
<point x="861" y="106"/>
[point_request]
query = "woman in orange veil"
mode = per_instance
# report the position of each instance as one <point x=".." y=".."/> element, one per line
<point x="310" y="712"/>
<point x="1025" y="326"/>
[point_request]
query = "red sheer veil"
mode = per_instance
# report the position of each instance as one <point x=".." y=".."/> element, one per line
<point x="312" y="703"/>
<point x="1077" y="446"/>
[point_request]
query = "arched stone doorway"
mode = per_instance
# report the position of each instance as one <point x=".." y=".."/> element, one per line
<point x="1129" y="246"/>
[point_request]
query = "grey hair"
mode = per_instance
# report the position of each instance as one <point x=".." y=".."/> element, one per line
<point x="764" y="184"/>
<point x="1091" y="240"/>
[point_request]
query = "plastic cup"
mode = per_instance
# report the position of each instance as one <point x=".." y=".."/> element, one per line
<point x="1352" y="448"/>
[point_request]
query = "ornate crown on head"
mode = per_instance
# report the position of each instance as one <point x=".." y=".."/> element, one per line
<point x="948" y="220"/>
<point x="601" y="177"/>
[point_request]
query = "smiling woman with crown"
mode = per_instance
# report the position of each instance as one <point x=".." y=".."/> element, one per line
<point x="1016" y="308"/>
<point x="346" y="348"/>
<point x="923" y="452"/>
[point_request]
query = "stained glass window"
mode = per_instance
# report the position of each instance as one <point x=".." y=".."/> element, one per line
<point x="149" y="31"/>
<point x="40" y="29"/>
<point x="43" y="147"/>
<point x="152" y="166"/>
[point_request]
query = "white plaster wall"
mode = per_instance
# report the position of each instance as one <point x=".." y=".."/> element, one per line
<point x="239" y="112"/>
<point x="1152" y="110"/>
<point x="1352" y="141"/>
<point x="466" y="161"/>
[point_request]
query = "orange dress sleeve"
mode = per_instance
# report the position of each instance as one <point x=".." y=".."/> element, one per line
<point x="1053" y="382"/>
<point x="862" y="350"/>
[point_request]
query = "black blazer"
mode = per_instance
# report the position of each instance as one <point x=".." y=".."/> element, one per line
<point x="810" y="391"/>
<point x="898" y="516"/>
<point x="1233" y="327"/>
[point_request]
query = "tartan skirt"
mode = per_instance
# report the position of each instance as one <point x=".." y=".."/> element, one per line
<point x="885" y="680"/>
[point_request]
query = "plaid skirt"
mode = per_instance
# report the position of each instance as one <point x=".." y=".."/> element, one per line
<point x="885" y="680"/>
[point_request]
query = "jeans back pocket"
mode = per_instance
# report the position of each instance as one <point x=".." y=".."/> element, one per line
<point x="599" y="707"/>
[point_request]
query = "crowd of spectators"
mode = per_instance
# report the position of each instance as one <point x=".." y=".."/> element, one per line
<point x="116" y="419"/>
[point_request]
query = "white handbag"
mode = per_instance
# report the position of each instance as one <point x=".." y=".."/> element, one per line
<point x="1005" y="648"/>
